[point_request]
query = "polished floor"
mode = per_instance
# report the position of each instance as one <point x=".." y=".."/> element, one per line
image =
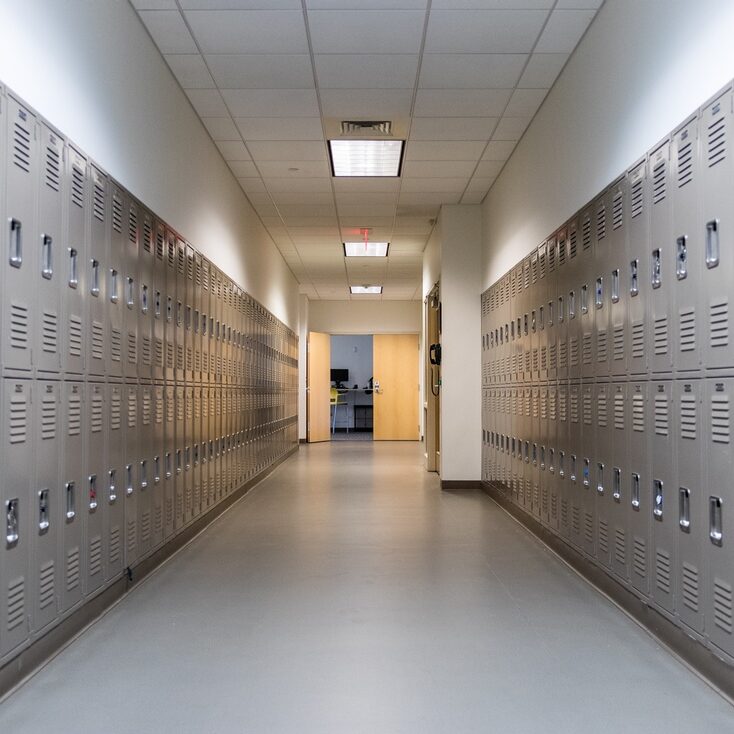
<point x="347" y="593"/>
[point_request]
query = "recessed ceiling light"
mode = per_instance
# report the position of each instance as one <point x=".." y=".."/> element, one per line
<point x="365" y="249"/>
<point x="366" y="157"/>
<point x="364" y="290"/>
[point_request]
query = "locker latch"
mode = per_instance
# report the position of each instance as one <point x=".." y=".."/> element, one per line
<point x="11" y="522"/>
<point x="44" y="510"/>
<point x="656" y="274"/>
<point x="92" y="492"/>
<point x="600" y="477"/>
<point x="684" y="509"/>
<point x="112" y="485"/>
<point x="16" y="243"/>
<point x="586" y="479"/>
<point x="70" y="500"/>
<point x="716" y="533"/>
<point x="712" y="243"/>
<point x="657" y="507"/>
<point x="681" y="260"/>
<point x="617" y="484"/>
<point x="129" y="486"/>
<point x="47" y="269"/>
<point x="144" y="474"/>
<point x="73" y="268"/>
<point x="94" y="286"/>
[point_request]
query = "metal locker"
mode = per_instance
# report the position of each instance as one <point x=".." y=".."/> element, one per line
<point x="16" y="590"/>
<point x="534" y="464"/>
<point x="131" y="286"/>
<point x="52" y="188"/>
<point x="196" y="319"/>
<point x="205" y="310"/>
<point x="160" y="302"/>
<point x="110" y="492"/>
<point x="614" y="291"/>
<point x="158" y="470"/>
<point x="585" y="284"/>
<point x="687" y="247"/>
<point x="191" y="287"/>
<point x="636" y="286"/>
<point x="563" y="442"/>
<point x="218" y="484"/>
<point x="180" y="311"/>
<point x="557" y="312"/>
<point x="691" y="502"/>
<point x="97" y="280"/>
<point x="543" y="445"/>
<point x="145" y="468"/>
<point x="715" y="230"/>
<point x="20" y="261"/>
<point x="551" y="453"/>
<point x="146" y="288"/>
<point x="206" y="500"/>
<point x="601" y="472"/>
<point x="617" y="487"/>
<point x="91" y="498"/>
<point x="169" y="461"/>
<point x="115" y="275"/>
<point x="664" y="497"/>
<point x="180" y="474"/>
<point x="541" y="291"/>
<point x="45" y="505"/>
<point x="196" y="450"/>
<point x="598" y="287"/>
<point x="169" y="307"/>
<point x="129" y="479"/>
<point x="573" y="279"/>
<point x="211" y="437"/>
<point x="188" y="477"/>
<point x="549" y="320"/>
<point x="719" y="394"/>
<point x="585" y="470"/>
<point x="71" y="487"/>
<point x="525" y="305"/>
<point x="662" y="259"/>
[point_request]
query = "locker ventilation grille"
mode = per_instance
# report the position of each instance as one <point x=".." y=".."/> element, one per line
<point x="53" y="168"/>
<point x="619" y="411"/>
<point x="575" y="525"/>
<point x="146" y="408"/>
<point x="660" y="335"/>
<point x="18" y="326"/>
<point x="716" y="141"/>
<point x="159" y="409"/>
<point x="132" y="409"/>
<point x="115" y="345"/>
<point x="115" y="411"/>
<point x="552" y="402"/>
<point x="561" y="252"/>
<point x="96" y="422"/>
<point x="46" y="585"/>
<point x="720" y="419"/>
<point x="586" y="234"/>
<point x="551" y="257"/>
<point x="723" y="611"/>
<point x="562" y="407"/>
<point x="638" y="340"/>
<point x="662" y="570"/>
<point x="572" y="244"/>
<point x="16" y="603"/>
<point x="601" y="223"/>
<point x="72" y="569"/>
<point x="553" y="356"/>
<point x="685" y="164"/>
<point x="116" y="214"/>
<point x="75" y="336"/>
<point x="636" y="199"/>
<point x="48" y="417"/>
<point x="662" y="421"/>
<point x="563" y="355"/>
<point x="574" y="408"/>
<point x="617" y="211"/>
<point x="132" y="347"/>
<point x="586" y="349"/>
<point x="587" y="409"/>
<point x="688" y="417"/>
<point x="618" y="343"/>
<point x="603" y="536"/>
<point x="158" y="521"/>
<point x="719" y="324"/>
<point x="687" y="321"/>
<point x="49" y="333"/>
<point x="22" y="147"/>
<point x="534" y="270"/>
<point x="639" y="558"/>
<point x="589" y="528"/>
<point x="169" y="512"/>
<point x="690" y="586"/>
<point x="564" y="513"/>
<point x="97" y="340"/>
<point x="601" y="411"/>
<point x="132" y="226"/>
<point x="659" y="183"/>
<point x="159" y="244"/>
<point x="145" y="528"/>
<point x="115" y="556"/>
<point x="77" y="186"/>
<point x="620" y="547"/>
<point x="98" y="203"/>
<point x="159" y="353"/>
<point x="147" y="236"/>
<point x="18" y="419"/>
<point x="75" y="415"/>
<point x="601" y="346"/>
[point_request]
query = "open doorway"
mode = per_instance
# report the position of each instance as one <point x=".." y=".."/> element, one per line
<point x="351" y="391"/>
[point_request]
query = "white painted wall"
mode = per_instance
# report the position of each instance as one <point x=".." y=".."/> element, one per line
<point x="643" y="66"/>
<point x="91" y="69"/>
<point x="365" y="317"/>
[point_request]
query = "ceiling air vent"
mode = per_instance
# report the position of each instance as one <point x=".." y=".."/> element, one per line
<point x="366" y="127"/>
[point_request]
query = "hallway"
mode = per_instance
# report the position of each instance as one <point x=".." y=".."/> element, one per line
<point x="347" y="593"/>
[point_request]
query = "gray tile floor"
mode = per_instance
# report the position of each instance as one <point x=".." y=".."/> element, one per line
<point x="348" y="594"/>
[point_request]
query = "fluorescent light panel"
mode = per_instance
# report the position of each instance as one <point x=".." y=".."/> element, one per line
<point x="365" y="290"/>
<point x="366" y="157"/>
<point x="365" y="249"/>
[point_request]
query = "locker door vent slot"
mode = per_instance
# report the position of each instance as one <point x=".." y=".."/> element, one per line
<point x="638" y="339"/>
<point x="619" y="411"/>
<point x="98" y="206"/>
<point x="18" y="419"/>
<point x="53" y="168"/>
<point x="48" y="417"/>
<point x="572" y="244"/>
<point x="639" y="557"/>
<point x="601" y="223"/>
<point x="636" y="199"/>
<point x="719" y="323"/>
<point x="617" y="210"/>
<point x="586" y="349"/>
<point x="716" y="141"/>
<point x="116" y="214"/>
<point x="690" y="586"/>
<point x="132" y="226"/>
<point x="601" y="411"/>
<point x="49" y="332"/>
<point x="620" y="547"/>
<point x="16" y="603"/>
<point x="145" y="527"/>
<point x="75" y="416"/>
<point x="660" y="335"/>
<point x="687" y="321"/>
<point x="97" y="340"/>
<point x="601" y="346"/>
<point x="662" y="570"/>
<point x="115" y="345"/>
<point x="73" y="571"/>
<point x="22" y="147"/>
<point x="662" y="420"/>
<point x="659" y="183"/>
<point x="588" y="528"/>
<point x="603" y="536"/>
<point x="115" y="550"/>
<point x="19" y="326"/>
<point x="77" y="186"/>
<point x="688" y="419"/>
<point x="586" y="234"/>
<point x="685" y="164"/>
<point x="720" y="419"/>
<point x="96" y="422"/>
<point x="723" y="609"/>
<point x="47" y="585"/>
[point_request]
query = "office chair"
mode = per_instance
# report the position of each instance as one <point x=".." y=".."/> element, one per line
<point x="335" y="402"/>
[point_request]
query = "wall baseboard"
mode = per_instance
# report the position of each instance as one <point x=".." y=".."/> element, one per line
<point x="450" y="485"/>
<point x="38" y="652"/>
<point x="715" y="671"/>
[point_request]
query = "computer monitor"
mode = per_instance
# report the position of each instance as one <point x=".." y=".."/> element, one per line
<point x="339" y="376"/>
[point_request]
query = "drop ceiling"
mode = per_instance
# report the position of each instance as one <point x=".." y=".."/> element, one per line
<point x="272" y="79"/>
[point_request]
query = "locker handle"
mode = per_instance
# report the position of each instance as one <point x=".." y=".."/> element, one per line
<point x="656" y="275"/>
<point x="600" y="477"/>
<point x="94" y="288"/>
<point x="112" y="485"/>
<point x="114" y="295"/>
<point x="599" y="293"/>
<point x="157" y="469"/>
<point x="712" y="243"/>
<point x="92" y="492"/>
<point x="584" y="299"/>
<point x="615" y="286"/>
<point x="716" y="533"/>
<point x="657" y="508"/>
<point x="12" y="525"/>
<point x="129" y="487"/>
<point x="586" y="473"/>
<point x="44" y="520"/>
<point x="144" y="474"/>
<point x="684" y="509"/>
<point x="617" y="484"/>
<point x="73" y="268"/>
<point x="130" y="296"/>
<point x="635" y="493"/>
<point x="634" y="278"/>
<point x="144" y="299"/>
<point x="681" y="261"/>
<point x="70" y="501"/>
<point x="16" y="243"/>
<point x="47" y="269"/>
<point x="169" y="466"/>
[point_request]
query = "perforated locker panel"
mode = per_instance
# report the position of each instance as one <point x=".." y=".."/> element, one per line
<point x="160" y="301"/>
<point x="98" y="262"/>
<point x="638" y="483"/>
<point x="45" y="505"/>
<point x="169" y="306"/>
<point x="145" y="295"/>
<point x="616" y="472"/>
<point x="129" y="481"/>
<point x="557" y="312"/>
<point x="16" y="587"/>
<point x="600" y="471"/>
<point x="48" y="278"/>
<point x="585" y="469"/>
<point x="179" y="403"/>
<point x="111" y="495"/>
<point x="197" y="306"/>
<point x="574" y="461"/>
<point x="205" y="311"/>
<point x="562" y="463"/>
<point x="169" y="461"/>
<point x="691" y="504"/>
<point x="158" y="468"/>
<point x="131" y="297"/>
<point x="146" y="467"/>
<point x="92" y="505"/>
<point x="188" y="449"/>
<point x="196" y="434"/>
<point x="598" y="289"/>
<point x="614" y="293"/>
<point x="180" y="312"/>
<point x="114" y="273"/>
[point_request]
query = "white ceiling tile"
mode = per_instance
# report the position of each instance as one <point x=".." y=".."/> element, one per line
<point x="438" y="169"/>
<point x="271" y="102"/>
<point x="350" y="198"/>
<point x="366" y="184"/>
<point x="471" y="71"/>
<point x="488" y="169"/>
<point x="307" y="212"/>
<point x="243" y="169"/>
<point x="221" y="128"/>
<point x="480" y="184"/>
<point x="207" y="102"/>
<point x="249" y="31"/>
<point x="252" y="185"/>
<point x="382" y="211"/>
<point x="302" y="197"/>
<point x="281" y="169"/>
<point x="542" y="70"/>
<point x="423" y="184"/>
<point x="233" y="150"/>
<point x="369" y="103"/>
<point x="432" y="199"/>
<point x="280" y="128"/>
<point x="412" y="229"/>
<point x="190" y="71"/>
<point x="461" y="102"/>
<point x="366" y="71"/>
<point x="240" y="4"/>
<point x="425" y="209"/>
<point x="314" y="225"/>
<point x="579" y="4"/>
<point x="261" y="71"/>
<point x="483" y="31"/>
<point x="499" y="150"/>
<point x="169" y="31"/>
<point x="525" y="102"/>
<point x="366" y="31"/>
<point x="441" y="150"/>
<point x="290" y="150"/>
<point x="154" y="4"/>
<point x="452" y="128"/>
<point x="298" y="184"/>
<point x="511" y="128"/>
<point x="374" y="223"/>
<point x="564" y="30"/>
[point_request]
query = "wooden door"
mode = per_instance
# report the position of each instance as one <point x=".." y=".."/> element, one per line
<point x="318" y="387"/>
<point x="395" y="369"/>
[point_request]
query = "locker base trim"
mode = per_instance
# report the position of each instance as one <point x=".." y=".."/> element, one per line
<point x="449" y="485"/>
<point x="712" y="669"/>
<point x="31" y="659"/>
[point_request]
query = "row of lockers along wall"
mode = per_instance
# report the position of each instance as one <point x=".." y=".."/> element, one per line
<point x="140" y="386"/>
<point x="639" y="281"/>
<point x="623" y="448"/>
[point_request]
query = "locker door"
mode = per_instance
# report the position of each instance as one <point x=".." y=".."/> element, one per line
<point x="20" y="260"/>
<point x="543" y="432"/>
<point x="46" y="505"/>
<point x="197" y="306"/>
<point x="662" y="259"/>
<point x="92" y="503"/>
<point x="598" y="295"/>
<point x="573" y="464"/>
<point x="541" y="291"/>
<point x="559" y="310"/>
<point x="688" y="250"/>
<point x="146" y="468"/>
<point x="115" y="275"/>
<point x="601" y="474"/>
<point x="691" y="503"/>
<point x="180" y="474"/>
<point x="572" y="297"/>
<point x="188" y="477"/>
<point x="189" y="313"/>
<point x="534" y="464"/>
<point x="549" y="320"/>
<point x="585" y="470"/>
<point x="526" y="308"/>
<point x="636" y="287"/>
<point x="146" y="296"/>
<point x="664" y="498"/>
<point x="170" y="307"/>
<point x="16" y="589"/>
<point x="585" y="309"/>
<point x="551" y="453"/>
<point x="169" y="461"/>
<point x="196" y="451"/>
<point x="97" y="280"/>
<point x="617" y="486"/>
<point x="615" y="294"/>
<point x="205" y="309"/>
<point x="111" y="493"/>
<point x="562" y="462"/>
<point x="133" y="269"/>
<point x="71" y="487"/>
<point x="203" y="450"/>
<point x="179" y="308"/>
<point x="720" y="515"/>
<point x="160" y="302"/>
<point x="715" y="228"/>
<point x="129" y="479"/>
<point x="47" y="347"/>
<point x="72" y="265"/>
<point x="157" y="452"/>
<point x="218" y="433"/>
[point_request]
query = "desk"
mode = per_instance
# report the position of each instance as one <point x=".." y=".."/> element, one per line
<point x="357" y="401"/>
